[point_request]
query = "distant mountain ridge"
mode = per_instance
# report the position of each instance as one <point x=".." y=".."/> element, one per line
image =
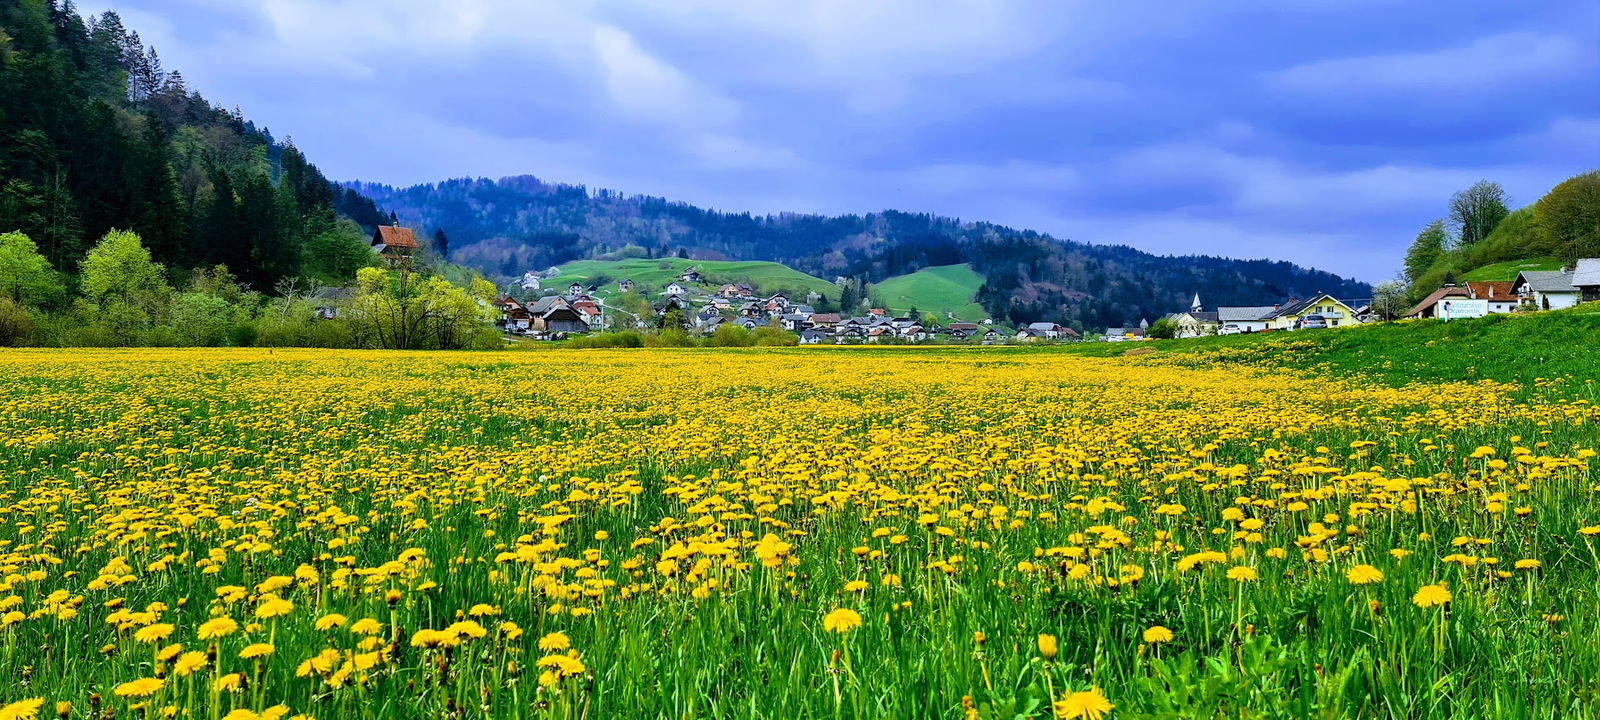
<point x="517" y="223"/>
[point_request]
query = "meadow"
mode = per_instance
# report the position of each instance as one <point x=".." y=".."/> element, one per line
<point x="791" y="533"/>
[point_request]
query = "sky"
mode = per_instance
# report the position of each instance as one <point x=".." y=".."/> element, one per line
<point x="1326" y="132"/>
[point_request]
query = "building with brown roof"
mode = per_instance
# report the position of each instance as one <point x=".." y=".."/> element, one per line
<point x="394" y="243"/>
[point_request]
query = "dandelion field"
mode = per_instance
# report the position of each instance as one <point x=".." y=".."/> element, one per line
<point x="799" y="533"/>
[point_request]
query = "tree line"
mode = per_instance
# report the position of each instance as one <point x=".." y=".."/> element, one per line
<point x="96" y="135"/>
<point x="121" y="296"/>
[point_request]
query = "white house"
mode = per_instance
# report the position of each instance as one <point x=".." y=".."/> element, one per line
<point x="1586" y="278"/>
<point x="1546" y="289"/>
<point x="1243" y="319"/>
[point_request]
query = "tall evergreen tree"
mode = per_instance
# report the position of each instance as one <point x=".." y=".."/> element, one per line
<point x="441" y="243"/>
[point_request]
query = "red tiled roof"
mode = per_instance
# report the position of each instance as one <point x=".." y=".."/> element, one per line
<point x="1493" y="291"/>
<point x="397" y="236"/>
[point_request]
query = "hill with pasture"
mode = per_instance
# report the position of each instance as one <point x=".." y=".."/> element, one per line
<point x="945" y="291"/>
<point x="1508" y="270"/>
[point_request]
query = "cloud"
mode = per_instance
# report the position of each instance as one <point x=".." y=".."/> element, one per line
<point x="649" y="89"/>
<point x="1488" y="63"/>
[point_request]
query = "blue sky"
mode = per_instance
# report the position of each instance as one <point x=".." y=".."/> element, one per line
<point x="1321" y="131"/>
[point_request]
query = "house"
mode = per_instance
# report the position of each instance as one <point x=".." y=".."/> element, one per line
<point x="1126" y="334"/>
<point x="394" y="243"/>
<point x="995" y="335"/>
<point x="675" y="289"/>
<point x="1586" y="278"/>
<point x="689" y="275"/>
<point x="813" y="336"/>
<point x="1039" y="331"/>
<point x="624" y="286"/>
<point x="914" y="332"/>
<point x="1050" y="331"/>
<point x="778" y="301"/>
<point x="530" y="281"/>
<point x="792" y="322"/>
<point x="328" y="301"/>
<point x="591" y="313"/>
<point x="1194" y="323"/>
<point x="749" y="323"/>
<point x="824" y="320"/>
<point x="1243" y="319"/>
<point x="732" y="290"/>
<point x="553" y="314"/>
<point x="574" y="290"/>
<point x="1433" y="304"/>
<point x="1545" y="289"/>
<point x="673" y="302"/>
<point x="1335" y="312"/>
<point x="1497" y="294"/>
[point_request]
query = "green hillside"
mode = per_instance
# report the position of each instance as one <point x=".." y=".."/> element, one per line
<point x="652" y="275"/>
<point x="1548" y="345"/>
<point x="1507" y="271"/>
<point x="941" y="290"/>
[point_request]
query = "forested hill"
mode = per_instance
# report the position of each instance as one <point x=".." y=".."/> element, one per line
<point x="510" y="225"/>
<point x="95" y="135"/>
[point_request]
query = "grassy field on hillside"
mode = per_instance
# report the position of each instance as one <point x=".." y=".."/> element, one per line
<point x="1526" y="349"/>
<point x="1318" y="525"/>
<point x="1507" y="271"/>
<point x="768" y="276"/>
<point x="939" y="290"/>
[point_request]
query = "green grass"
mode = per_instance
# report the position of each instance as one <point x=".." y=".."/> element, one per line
<point x="1519" y="348"/>
<point x="767" y="277"/>
<point x="942" y="290"/>
<point x="1507" y="271"/>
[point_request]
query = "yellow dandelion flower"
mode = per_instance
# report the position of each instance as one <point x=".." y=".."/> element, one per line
<point x="22" y="709"/>
<point x="1157" y="634"/>
<point x="256" y="650"/>
<point x="554" y="642"/>
<point x="1048" y="648"/>
<point x="841" y="620"/>
<point x="143" y="687"/>
<point x="1363" y="575"/>
<point x="189" y="662"/>
<point x="1431" y="596"/>
<point x="1088" y="704"/>
<point x="216" y="628"/>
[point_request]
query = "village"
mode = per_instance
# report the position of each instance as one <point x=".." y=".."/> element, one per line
<point x="697" y="304"/>
<point x="702" y="306"/>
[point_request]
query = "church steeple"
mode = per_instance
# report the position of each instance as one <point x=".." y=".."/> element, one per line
<point x="1195" y="305"/>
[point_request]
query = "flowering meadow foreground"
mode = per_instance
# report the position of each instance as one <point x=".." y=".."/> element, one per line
<point x="798" y="533"/>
